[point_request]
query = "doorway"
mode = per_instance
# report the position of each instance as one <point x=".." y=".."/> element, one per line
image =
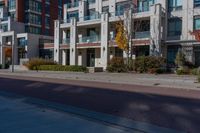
<point x="90" y="57"/>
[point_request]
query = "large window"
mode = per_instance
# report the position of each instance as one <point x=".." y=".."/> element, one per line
<point x="72" y="15"/>
<point x="174" y="27"/>
<point x="12" y="4"/>
<point x="33" y="5"/>
<point x="175" y="5"/>
<point x="34" y="30"/>
<point x="196" y="3"/>
<point x="197" y="23"/>
<point x="33" y="18"/>
<point x="143" y="5"/>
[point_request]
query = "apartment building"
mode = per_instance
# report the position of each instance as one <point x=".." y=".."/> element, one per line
<point x="27" y="24"/>
<point x="86" y="35"/>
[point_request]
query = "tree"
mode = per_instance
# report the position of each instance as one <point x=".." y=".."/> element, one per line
<point x="121" y="37"/>
<point x="180" y="59"/>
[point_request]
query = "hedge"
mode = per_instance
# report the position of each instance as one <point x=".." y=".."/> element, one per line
<point x="116" y="64"/>
<point x="35" y="62"/>
<point x="61" y="68"/>
<point x="0" y="66"/>
<point x="150" y="64"/>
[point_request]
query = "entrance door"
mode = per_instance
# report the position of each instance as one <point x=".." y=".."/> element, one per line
<point x="90" y="57"/>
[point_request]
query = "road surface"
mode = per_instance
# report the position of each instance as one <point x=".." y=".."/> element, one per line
<point x="173" y="109"/>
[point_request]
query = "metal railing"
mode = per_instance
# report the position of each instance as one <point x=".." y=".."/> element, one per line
<point x="72" y="5"/>
<point x="66" y="41"/>
<point x="142" y="34"/>
<point x="89" y="39"/>
<point x="92" y="17"/>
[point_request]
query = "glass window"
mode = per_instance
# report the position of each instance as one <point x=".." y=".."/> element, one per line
<point x="196" y="3"/>
<point x="174" y="27"/>
<point x="143" y="5"/>
<point x="175" y="5"/>
<point x="197" y="23"/>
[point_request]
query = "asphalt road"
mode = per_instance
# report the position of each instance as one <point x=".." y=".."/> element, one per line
<point x="176" y="109"/>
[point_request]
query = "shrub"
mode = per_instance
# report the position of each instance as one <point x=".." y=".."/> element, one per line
<point x="149" y="64"/>
<point x="116" y="64"/>
<point x="180" y="60"/>
<point x="34" y="63"/>
<point x="62" y="68"/>
<point x="182" y="71"/>
<point x="0" y="66"/>
<point x="160" y="71"/>
<point x="198" y="78"/>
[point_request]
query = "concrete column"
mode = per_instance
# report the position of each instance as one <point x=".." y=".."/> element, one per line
<point x="112" y="7"/>
<point x="156" y="28"/>
<point x="187" y="19"/>
<point x="64" y="57"/>
<point x="99" y="6"/>
<point x="73" y="41"/>
<point x="104" y="40"/>
<point x="57" y="41"/>
<point x="2" y="54"/>
<point x="129" y="27"/>
<point x="65" y="13"/>
<point x="82" y="10"/>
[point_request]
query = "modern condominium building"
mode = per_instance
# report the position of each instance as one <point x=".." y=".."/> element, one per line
<point x="27" y="24"/>
<point x="86" y="35"/>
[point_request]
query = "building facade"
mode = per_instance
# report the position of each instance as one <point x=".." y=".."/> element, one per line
<point x="86" y="35"/>
<point x="27" y="24"/>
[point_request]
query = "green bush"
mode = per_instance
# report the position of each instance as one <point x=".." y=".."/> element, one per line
<point x="61" y="68"/>
<point x="34" y="63"/>
<point x="150" y="64"/>
<point x="198" y="78"/>
<point x="0" y="66"/>
<point x="180" y="60"/>
<point x="116" y="64"/>
<point x="182" y="71"/>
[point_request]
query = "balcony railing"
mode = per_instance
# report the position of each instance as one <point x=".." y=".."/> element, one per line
<point x="89" y="39"/>
<point x="66" y="41"/>
<point x="92" y="17"/>
<point x="91" y="1"/>
<point x="119" y="13"/>
<point x="72" y="5"/>
<point x="142" y="34"/>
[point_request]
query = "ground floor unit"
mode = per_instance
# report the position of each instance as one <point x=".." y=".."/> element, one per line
<point x="20" y="47"/>
<point x="90" y="54"/>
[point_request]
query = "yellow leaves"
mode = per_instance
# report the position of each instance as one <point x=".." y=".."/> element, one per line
<point x="121" y="37"/>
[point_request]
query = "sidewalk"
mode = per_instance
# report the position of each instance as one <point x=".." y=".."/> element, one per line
<point x="163" y="80"/>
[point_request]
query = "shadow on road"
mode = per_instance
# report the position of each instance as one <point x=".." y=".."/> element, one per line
<point x="170" y="112"/>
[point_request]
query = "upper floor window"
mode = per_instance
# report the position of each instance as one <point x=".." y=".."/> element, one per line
<point x="12" y="4"/>
<point x="174" y="27"/>
<point x="175" y="5"/>
<point x="197" y="23"/>
<point x="91" y="1"/>
<point x="143" y="5"/>
<point x="196" y="3"/>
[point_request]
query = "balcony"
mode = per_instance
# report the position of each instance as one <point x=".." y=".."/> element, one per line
<point x="89" y="39"/>
<point x="143" y="9"/>
<point x="142" y="34"/>
<point x="91" y="1"/>
<point x="119" y="13"/>
<point x="72" y="5"/>
<point x="66" y="41"/>
<point x="92" y="17"/>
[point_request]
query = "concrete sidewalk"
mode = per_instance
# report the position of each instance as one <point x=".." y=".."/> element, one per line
<point x="163" y="80"/>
